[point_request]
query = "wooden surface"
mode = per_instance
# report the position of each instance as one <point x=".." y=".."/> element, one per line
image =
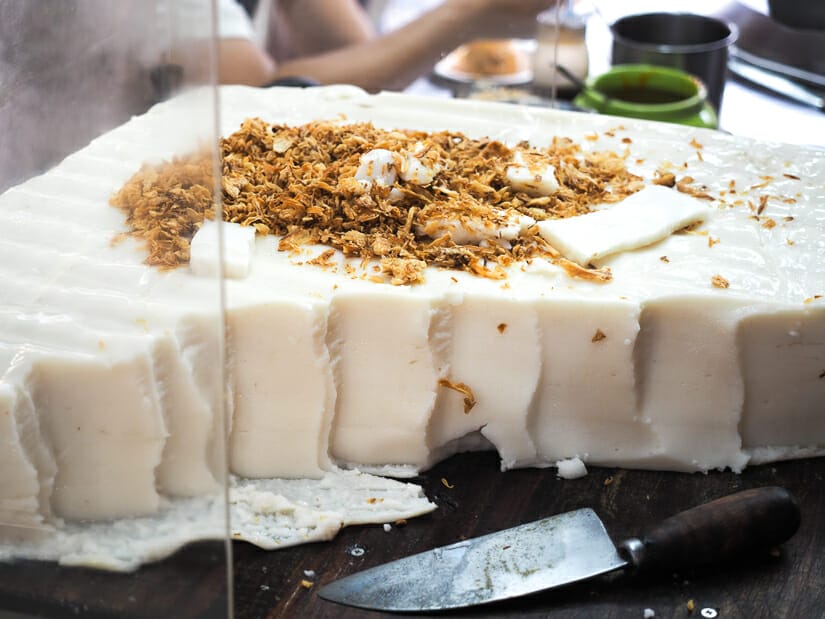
<point x="482" y="500"/>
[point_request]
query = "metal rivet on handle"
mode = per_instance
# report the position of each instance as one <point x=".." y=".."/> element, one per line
<point x="357" y="551"/>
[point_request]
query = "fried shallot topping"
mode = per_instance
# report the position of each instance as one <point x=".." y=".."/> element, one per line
<point x="408" y="199"/>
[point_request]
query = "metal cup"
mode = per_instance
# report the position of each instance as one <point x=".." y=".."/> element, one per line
<point x="693" y="43"/>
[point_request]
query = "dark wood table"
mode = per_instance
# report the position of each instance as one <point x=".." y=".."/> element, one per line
<point x="482" y="499"/>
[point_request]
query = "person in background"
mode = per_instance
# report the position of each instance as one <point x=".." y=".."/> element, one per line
<point x="333" y="41"/>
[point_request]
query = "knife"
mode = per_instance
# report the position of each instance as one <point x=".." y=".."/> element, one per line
<point x="775" y="83"/>
<point x="796" y="74"/>
<point x="567" y="548"/>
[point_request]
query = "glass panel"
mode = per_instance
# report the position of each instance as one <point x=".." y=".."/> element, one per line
<point x="112" y="423"/>
<point x="334" y="366"/>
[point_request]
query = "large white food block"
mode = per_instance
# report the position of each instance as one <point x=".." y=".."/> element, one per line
<point x="705" y="349"/>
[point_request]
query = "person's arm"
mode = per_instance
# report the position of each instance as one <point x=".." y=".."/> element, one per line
<point x="394" y="60"/>
<point x="241" y="61"/>
<point x="310" y="27"/>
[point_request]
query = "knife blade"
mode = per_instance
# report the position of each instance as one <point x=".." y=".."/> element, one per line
<point x="564" y="549"/>
<point x="796" y="74"/>
<point x="775" y="83"/>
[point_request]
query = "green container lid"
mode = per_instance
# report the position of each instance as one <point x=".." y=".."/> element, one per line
<point x="651" y="93"/>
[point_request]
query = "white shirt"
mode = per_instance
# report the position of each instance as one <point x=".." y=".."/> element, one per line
<point x="193" y="19"/>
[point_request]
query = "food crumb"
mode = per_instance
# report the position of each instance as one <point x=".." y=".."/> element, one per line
<point x="571" y="468"/>
<point x="668" y="179"/>
<point x="664" y="258"/>
<point x="307" y="584"/>
<point x="691" y="606"/>
<point x="446" y="483"/>
<point x="309" y="573"/>
<point x="575" y="270"/>
<point x="387" y="527"/>
<point x="649" y="613"/>
<point x="469" y="398"/>
<point x="598" y="336"/>
<point x="608" y="480"/>
<point x="502" y="327"/>
<point x="719" y="282"/>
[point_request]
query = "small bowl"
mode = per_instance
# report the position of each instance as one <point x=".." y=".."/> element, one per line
<point x="651" y="93"/>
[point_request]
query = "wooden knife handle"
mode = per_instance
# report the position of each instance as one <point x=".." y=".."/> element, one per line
<point x="723" y="529"/>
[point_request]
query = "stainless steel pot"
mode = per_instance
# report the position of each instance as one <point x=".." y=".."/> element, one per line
<point x="696" y="44"/>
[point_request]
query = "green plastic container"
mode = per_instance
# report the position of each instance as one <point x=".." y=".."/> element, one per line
<point x="651" y="93"/>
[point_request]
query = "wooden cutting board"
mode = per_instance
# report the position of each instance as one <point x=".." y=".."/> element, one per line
<point x="474" y="498"/>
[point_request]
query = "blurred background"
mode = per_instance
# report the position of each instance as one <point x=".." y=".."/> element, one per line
<point x="781" y="99"/>
<point x="71" y="70"/>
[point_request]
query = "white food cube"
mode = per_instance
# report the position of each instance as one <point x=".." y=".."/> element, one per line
<point x="238" y="242"/>
<point x="377" y="166"/>
<point x="642" y="219"/>
<point x="534" y="177"/>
